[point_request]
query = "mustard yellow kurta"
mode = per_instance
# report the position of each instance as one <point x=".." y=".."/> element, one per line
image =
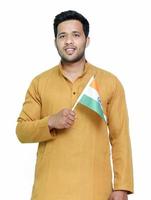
<point x="74" y="163"/>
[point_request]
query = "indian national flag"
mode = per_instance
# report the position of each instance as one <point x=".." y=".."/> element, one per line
<point x="90" y="97"/>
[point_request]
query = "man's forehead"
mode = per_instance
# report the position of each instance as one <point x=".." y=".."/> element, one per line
<point x="70" y="25"/>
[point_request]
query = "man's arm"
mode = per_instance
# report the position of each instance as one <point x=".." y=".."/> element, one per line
<point x="120" y="141"/>
<point x="30" y="126"/>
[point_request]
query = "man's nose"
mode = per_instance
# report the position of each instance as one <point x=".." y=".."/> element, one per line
<point x="69" y="40"/>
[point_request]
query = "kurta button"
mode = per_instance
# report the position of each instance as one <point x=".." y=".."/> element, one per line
<point x="74" y="93"/>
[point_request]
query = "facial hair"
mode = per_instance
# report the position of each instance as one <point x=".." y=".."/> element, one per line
<point x="77" y="58"/>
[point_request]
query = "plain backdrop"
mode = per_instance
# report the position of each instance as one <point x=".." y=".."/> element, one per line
<point x="120" y="33"/>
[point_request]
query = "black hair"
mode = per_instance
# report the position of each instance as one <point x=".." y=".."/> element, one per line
<point x="69" y="15"/>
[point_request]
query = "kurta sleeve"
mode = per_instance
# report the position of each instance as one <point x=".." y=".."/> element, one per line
<point x="30" y="126"/>
<point x="120" y="139"/>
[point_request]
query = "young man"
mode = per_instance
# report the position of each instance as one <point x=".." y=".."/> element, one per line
<point x="73" y="159"/>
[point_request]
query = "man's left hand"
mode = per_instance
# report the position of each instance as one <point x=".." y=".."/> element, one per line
<point x="118" y="195"/>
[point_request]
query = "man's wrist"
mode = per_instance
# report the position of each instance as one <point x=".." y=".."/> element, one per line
<point x="50" y="123"/>
<point x="121" y="191"/>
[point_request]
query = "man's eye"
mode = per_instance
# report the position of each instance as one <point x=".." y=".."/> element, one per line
<point x="61" y="36"/>
<point x="76" y="35"/>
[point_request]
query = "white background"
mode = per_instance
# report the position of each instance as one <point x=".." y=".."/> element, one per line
<point x="120" y="34"/>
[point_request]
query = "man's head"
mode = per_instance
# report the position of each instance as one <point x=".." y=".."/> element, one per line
<point x="71" y="36"/>
<point x="71" y="15"/>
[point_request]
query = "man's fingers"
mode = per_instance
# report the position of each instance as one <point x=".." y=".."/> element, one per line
<point x="68" y="111"/>
<point x="71" y="117"/>
<point x="69" y="121"/>
<point x="72" y="113"/>
<point x="67" y="125"/>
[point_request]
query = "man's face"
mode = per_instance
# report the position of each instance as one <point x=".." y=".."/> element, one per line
<point x="71" y="41"/>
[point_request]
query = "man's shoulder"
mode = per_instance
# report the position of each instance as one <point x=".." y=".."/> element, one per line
<point x="106" y="77"/>
<point x="49" y="73"/>
<point x="103" y="73"/>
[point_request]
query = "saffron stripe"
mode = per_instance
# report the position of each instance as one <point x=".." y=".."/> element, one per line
<point x="94" y="85"/>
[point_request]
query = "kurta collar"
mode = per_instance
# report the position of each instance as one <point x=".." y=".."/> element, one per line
<point x="87" y="69"/>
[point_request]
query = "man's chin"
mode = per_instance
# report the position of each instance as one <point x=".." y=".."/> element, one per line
<point x="71" y="59"/>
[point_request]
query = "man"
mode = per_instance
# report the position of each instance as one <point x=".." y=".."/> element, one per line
<point x="73" y="158"/>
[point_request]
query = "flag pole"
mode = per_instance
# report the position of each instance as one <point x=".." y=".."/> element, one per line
<point x="89" y="82"/>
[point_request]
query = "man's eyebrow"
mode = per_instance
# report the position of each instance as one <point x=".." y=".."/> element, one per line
<point x="62" y="33"/>
<point x="75" y="32"/>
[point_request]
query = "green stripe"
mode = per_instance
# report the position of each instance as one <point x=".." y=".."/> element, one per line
<point x="92" y="104"/>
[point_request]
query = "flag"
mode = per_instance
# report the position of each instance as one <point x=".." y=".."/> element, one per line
<point x="90" y="98"/>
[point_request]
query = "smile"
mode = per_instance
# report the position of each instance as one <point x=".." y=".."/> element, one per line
<point x="70" y="50"/>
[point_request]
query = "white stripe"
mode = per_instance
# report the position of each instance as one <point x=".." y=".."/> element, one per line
<point x="91" y="92"/>
<point x="87" y="85"/>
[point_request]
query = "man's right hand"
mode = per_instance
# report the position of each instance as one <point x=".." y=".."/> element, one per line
<point x="63" y="119"/>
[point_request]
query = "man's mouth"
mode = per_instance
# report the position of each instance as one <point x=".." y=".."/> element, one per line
<point x="70" y="50"/>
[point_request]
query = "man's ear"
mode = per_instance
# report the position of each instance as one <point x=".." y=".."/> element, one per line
<point x="88" y="41"/>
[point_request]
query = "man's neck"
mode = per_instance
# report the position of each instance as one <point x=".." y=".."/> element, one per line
<point x="73" y="70"/>
<point x="74" y="67"/>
